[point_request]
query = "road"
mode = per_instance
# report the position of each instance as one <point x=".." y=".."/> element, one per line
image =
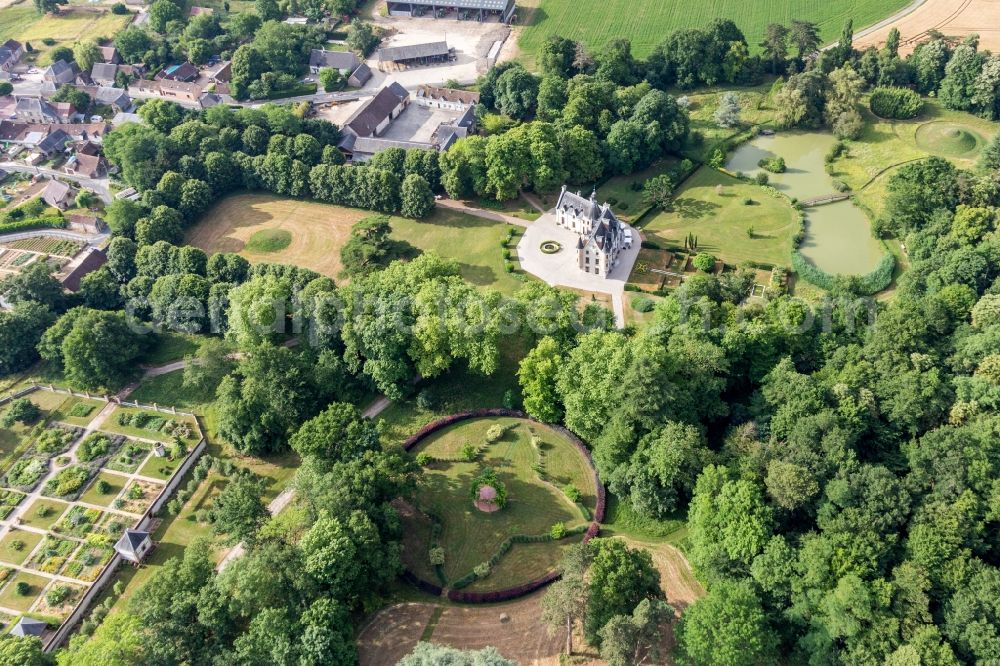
<point x="100" y="186"/>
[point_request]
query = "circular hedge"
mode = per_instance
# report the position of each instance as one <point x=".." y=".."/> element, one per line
<point x="550" y="247"/>
<point x="895" y="103"/>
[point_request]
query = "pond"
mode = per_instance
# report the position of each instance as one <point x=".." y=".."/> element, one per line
<point x="838" y="235"/>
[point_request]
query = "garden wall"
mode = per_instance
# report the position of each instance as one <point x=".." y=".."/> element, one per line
<point x="527" y="588"/>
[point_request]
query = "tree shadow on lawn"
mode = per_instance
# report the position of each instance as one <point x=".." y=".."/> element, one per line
<point x="457" y="220"/>
<point x="482" y="276"/>
<point x="693" y="208"/>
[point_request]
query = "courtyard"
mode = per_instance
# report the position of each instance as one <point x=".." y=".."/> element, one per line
<point x="562" y="269"/>
<point x="419" y="123"/>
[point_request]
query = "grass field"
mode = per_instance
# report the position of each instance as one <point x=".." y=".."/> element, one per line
<point x="318" y="232"/>
<point x="23" y="23"/>
<point x="869" y="162"/>
<point x="720" y="221"/>
<point x="10" y="554"/>
<point x="74" y="405"/>
<point x="93" y="496"/>
<point x="648" y="23"/>
<point x="9" y="598"/>
<point x="470" y="536"/>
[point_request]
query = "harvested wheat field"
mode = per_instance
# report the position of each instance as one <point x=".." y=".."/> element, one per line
<point x="318" y="231"/>
<point x="953" y="18"/>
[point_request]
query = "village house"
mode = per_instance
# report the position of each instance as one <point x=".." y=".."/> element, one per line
<point x="31" y="135"/>
<point x="58" y="194"/>
<point x="602" y="237"/>
<point x="10" y="52"/>
<point x="446" y="98"/>
<point x="53" y="142"/>
<point x="116" y="98"/>
<point x="60" y="73"/>
<point x="35" y="110"/>
<point x="87" y="161"/>
<point x="109" y="54"/>
<point x="345" y="62"/>
<point x="104" y="73"/>
<point x="86" y="224"/>
<point x="184" y="72"/>
<point x="133" y="545"/>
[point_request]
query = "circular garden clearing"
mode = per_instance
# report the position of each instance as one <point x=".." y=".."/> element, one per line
<point x="541" y="471"/>
<point x="948" y="138"/>
<point x="269" y="240"/>
<point x="550" y="247"/>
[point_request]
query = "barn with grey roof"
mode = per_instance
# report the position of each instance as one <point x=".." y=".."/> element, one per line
<point x="469" y="10"/>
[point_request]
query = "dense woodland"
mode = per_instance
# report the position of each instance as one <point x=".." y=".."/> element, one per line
<point x="837" y="461"/>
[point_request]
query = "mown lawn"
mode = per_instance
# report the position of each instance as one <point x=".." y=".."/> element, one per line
<point x="9" y="598"/>
<point x="647" y="22"/>
<point x="470" y="536"/>
<point x="74" y="405"/>
<point x="720" y="220"/>
<point x="169" y="347"/>
<point x="868" y="163"/>
<point x="15" y="440"/>
<point x="8" y="553"/>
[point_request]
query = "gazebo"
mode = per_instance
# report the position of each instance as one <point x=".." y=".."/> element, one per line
<point x="486" y="499"/>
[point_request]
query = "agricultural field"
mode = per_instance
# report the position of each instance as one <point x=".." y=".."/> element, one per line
<point x="534" y="504"/>
<point x="247" y="224"/>
<point x="648" y="23"/>
<point x="711" y="206"/>
<point x="48" y="245"/>
<point x="23" y="23"/>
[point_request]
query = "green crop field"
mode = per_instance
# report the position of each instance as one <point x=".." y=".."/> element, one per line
<point x="647" y="22"/>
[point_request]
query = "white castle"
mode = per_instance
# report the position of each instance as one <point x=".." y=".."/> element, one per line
<point x="602" y="235"/>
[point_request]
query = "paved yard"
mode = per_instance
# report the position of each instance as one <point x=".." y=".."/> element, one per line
<point x="562" y="268"/>
<point x="418" y="123"/>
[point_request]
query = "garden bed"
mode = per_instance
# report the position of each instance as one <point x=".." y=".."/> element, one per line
<point x="9" y="499"/>
<point x="26" y="472"/>
<point x="52" y="554"/>
<point x="87" y="562"/>
<point x="129" y="457"/>
<point x="138" y="496"/>
<point x="78" y="522"/>
<point x="69" y="482"/>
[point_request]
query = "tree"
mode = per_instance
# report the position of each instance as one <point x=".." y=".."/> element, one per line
<point x="516" y="93"/>
<point x="337" y="433"/>
<point x="957" y="89"/>
<point x="21" y="328"/>
<point x="658" y="191"/>
<point x="564" y="603"/>
<point x="663" y="471"/>
<point x="34" y="283"/>
<point x="86" y="53"/>
<point x="989" y="159"/>
<point x="23" y="651"/>
<point x="431" y="654"/>
<point x="581" y="155"/>
<point x="628" y="640"/>
<point x="361" y="37"/>
<point x="81" y="343"/>
<point x="537" y="374"/>
<point x="331" y="79"/>
<point x="162" y="114"/>
<point x="775" y="46"/>
<point x="239" y="511"/>
<point x="6" y="88"/>
<point x="205" y="369"/>
<point x="47" y="6"/>
<point x="728" y="626"/>
<point x="132" y="43"/>
<point x="804" y="36"/>
<point x="728" y="112"/>
<point x="162" y="12"/>
<point x="619" y="578"/>
<point x="22" y="411"/>
<point x="417" y="197"/>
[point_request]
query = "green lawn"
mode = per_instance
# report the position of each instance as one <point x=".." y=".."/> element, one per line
<point x="756" y="108"/>
<point x="628" y="202"/>
<point x="470" y="536"/>
<point x="92" y="496"/>
<point x="23" y="23"/>
<point x="79" y="406"/>
<point x="9" y="598"/>
<point x="169" y="389"/>
<point x="473" y="242"/>
<point x="647" y="22"/>
<point x="720" y="220"/>
<point x="15" y="440"/>
<point x="160" y="468"/>
<point x="112" y="425"/>
<point x="869" y="162"/>
<point x="170" y="347"/>
<point x="32" y="518"/>
<point x="9" y="554"/>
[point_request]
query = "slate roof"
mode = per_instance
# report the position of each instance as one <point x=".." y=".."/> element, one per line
<point x="60" y="71"/>
<point x="34" y="107"/>
<point x="605" y="228"/>
<point x="334" y="59"/>
<point x="489" y="5"/>
<point x="116" y="96"/>
<point x="55" y="140"/>
<point x="413" y="51"/>
<point x="364" y="121"/>
<point x="369" y="145"/>
<point x="28" y="626"/>
<point x="88" y="165"/>
<point x="132" y="539"/>
<point x="104" y="71"/>
<point x="109" y="53"/>
<point x="55" y="193"/>
<point x="362" y="73"/>
<point x="94" y="259"/>
<point x="182" y="72"/>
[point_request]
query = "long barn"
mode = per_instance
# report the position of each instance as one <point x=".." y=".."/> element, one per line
<point x="467" y="10"/>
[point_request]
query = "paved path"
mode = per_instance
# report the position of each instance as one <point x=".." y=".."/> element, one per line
<point x="100" y="186"/>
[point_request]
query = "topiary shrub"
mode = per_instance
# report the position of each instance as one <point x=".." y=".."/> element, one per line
<point x="895" y="103"/>
<point x="704" y="262"/>
<point x="642" y="304"/>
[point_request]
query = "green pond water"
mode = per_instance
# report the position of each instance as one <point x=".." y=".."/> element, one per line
<point x="838" y="235"/>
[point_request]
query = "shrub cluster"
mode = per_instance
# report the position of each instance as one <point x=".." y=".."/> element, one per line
<point x="895" y="103"/>
<point x="866" y="285"/>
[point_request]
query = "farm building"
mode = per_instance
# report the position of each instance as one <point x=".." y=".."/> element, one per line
<point x="468" y="10"/>
<point x="413" y="54"/>
<point x="373" y="117"/>
<point x="83" y="264"/>
<point x="446" y="98"/>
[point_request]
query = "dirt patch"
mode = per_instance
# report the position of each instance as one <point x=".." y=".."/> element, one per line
<point x="954" y="18"/>
<point x="393" y="633"/>
<point x="318" y="230"/>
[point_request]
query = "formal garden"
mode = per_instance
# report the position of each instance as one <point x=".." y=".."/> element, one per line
<point x="498" y="500"/>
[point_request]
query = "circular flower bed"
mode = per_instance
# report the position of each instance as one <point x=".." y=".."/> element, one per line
<point x="550" y="247"/>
